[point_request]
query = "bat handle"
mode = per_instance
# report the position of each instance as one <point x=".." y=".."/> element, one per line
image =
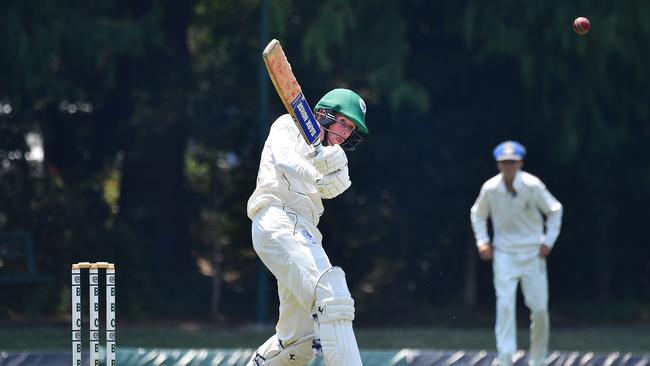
<point x="317" y="146"/>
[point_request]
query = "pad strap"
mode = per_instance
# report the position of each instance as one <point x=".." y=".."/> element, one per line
<point x="333" y="309"/>
<point x="274" y="353"/>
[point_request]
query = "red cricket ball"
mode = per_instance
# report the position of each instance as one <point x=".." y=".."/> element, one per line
<point x="581" y="25"/>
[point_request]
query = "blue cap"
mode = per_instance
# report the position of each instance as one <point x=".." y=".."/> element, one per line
<point x="509" y="150"/>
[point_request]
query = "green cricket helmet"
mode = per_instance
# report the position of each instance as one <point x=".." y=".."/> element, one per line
<point x="348" y="103"/>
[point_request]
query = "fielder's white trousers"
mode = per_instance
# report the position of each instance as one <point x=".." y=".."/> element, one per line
<point x="290" y="246"/>
<point x="529" y="269"/>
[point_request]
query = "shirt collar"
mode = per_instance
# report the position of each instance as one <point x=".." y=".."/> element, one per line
<point x="516" y="183"/>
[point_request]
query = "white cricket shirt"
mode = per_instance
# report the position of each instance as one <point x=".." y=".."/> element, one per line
<point x="517" y="219"/>
<point x="286" y="177"/>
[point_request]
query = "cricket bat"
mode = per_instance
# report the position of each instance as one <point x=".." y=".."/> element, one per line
<point x="290" y="93"/>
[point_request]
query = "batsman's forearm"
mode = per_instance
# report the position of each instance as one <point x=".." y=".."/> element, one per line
<point x="294" y="165"/>
<point x="301" y="170"/>
<point x="282" y="142"/>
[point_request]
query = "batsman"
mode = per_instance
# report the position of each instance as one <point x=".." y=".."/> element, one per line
<point x="316" y="308"/>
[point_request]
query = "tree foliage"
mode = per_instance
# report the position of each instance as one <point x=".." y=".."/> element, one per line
<point x="149" y="118"/>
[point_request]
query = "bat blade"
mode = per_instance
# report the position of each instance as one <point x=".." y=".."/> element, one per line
<point x="290" y="93"/>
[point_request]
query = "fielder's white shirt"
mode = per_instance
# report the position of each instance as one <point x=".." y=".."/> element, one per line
<point x="517" y="219"/>
<point x="286" y="176"/>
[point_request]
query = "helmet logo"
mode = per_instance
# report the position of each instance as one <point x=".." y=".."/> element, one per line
<point x="362" y="104"/>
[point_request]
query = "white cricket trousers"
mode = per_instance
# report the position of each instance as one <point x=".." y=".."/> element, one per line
<point x="290" y="246"/>
<point x="529" y="269"/>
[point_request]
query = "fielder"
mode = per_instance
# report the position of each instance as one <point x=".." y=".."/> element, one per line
<point x="316" y="308"/>
<point x="517" y="202"/>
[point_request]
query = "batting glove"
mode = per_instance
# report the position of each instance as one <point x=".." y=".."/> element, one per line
<point x="330" y="159"/>
<point x="333" y="184"/>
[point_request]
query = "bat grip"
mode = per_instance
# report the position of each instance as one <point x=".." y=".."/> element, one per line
<point x="317" y="146"/>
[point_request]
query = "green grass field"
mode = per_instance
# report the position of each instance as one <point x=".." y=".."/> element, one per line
<point x="600" y="339"/>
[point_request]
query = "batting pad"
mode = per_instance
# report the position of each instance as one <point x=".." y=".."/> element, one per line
<point x="333" y="313"/>
<point x="274" y="353"/>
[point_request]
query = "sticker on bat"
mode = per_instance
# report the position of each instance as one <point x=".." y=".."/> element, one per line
<point x="305" y="118"/>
